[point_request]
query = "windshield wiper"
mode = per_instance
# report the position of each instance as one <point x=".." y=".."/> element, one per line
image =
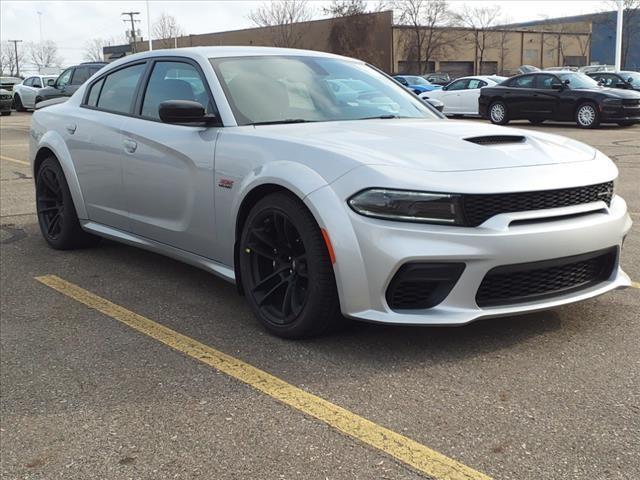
<point x="286" y="120"/>
<point x="382" y="117"/>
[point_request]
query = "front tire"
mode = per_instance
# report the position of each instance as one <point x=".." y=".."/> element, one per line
<point x="498" y="113"/>
<point x="587" y="116"/>
<point x="57" y="215"/>
<point x="18" y="104"/>
<point x="286" y="270"/>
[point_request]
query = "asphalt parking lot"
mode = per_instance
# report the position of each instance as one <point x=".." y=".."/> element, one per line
<point x="93" y="389"/>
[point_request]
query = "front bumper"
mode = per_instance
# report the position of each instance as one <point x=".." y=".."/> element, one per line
<point x="368" y="260"/>
<point x="620" y="113"/>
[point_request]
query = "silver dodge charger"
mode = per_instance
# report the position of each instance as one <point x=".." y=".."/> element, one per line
<point x="325" y="190"/>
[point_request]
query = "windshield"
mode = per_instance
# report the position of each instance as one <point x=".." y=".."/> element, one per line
<point x="578" y="80"/>
<point x="634" y="76"/>
<point x="416" y="80"/>
<point x="288" y="89"/>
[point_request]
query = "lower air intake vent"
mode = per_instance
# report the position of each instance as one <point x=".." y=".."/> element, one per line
<point x="496" y="139"/>
<point x="422" y="285"/>
<point x="526" y="282"/>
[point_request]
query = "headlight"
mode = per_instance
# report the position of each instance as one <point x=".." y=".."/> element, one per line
<point x="408" y="206"/>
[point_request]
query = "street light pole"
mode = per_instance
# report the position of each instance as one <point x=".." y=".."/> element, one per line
<point x="619" y="35"/>
<point x="15" y="46"/>
<point x="149" y="26"/>
<point x="40" y="23"/>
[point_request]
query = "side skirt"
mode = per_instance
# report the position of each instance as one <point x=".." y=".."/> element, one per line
<point x="225" y="272"/>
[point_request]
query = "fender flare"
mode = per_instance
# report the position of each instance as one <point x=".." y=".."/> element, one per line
<point x="54" y="142"/>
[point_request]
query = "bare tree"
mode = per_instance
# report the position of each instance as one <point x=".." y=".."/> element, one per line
<point x="481" y="20"/>
<point x="345" y="8"/>
<point x="281" y="16"/>
<point x="425" y="19"/>
<point x="9" y="63"/>
<point x="166" y="29"/>
<point x="93" y="50"/>
<point x="630" y="27"/>
<point x="44" y="54"/>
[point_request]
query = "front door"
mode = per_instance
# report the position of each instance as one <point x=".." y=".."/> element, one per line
<point x="169" y="169"/>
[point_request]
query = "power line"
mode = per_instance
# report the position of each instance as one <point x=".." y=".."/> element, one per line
<point x="15" y="46"/>
<point x="133" y="26"/>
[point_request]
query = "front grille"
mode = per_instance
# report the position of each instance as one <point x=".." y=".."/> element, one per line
<point x="525" y="282"/>
<point x="5" y="97"/>
<point x="496" y="139"/>
<point x="480" y="207"/>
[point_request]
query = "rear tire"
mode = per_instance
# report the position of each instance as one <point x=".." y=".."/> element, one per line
<point x="57" y="215"/>
<point x="18" y="104"/>
<point x="498" y="113"/>
<point x="286" y="270"/>
<point x="587" y="116"/>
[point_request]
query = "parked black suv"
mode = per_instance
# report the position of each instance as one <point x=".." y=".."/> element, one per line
<point x="69" y="81"/>
<point x="628" y="80"/>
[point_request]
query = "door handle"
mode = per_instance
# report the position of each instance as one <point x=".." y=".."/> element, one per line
<point x="130" y="145"/>
<point x="71" y="128"/>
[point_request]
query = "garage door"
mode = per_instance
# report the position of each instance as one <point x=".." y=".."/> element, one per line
<point x="457" y="69"/>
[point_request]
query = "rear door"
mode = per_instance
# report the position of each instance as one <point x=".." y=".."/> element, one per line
<point x="94" y="138"/>
<point x="520" y="97"/>
<point x="168" y="168"/>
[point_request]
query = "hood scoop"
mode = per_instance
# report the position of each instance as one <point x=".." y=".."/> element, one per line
<point x="496" y="139"/>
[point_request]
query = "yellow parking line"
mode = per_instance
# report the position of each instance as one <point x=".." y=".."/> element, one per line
<point x="635" y="284"/>
<point x="410" y="452"/>
<point x="14" y="160"/>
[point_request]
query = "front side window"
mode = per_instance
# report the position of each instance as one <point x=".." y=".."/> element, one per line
<point x="64" y="78"/>
<point x="545" y="82"/>
<point x="523" y="82"/>
<point x="174" y="81"/>
<point x="458" y="85"/>
<point x="278" y="89"/>
<point x="119" y="89"/>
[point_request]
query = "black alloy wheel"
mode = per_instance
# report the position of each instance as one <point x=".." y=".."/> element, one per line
<point x="57" y="215"/>
<point x="50" y="202"/>
<point x="285" y="268"/>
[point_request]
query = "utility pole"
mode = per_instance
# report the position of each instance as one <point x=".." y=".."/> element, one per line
<point x="133" y="21"/>
<point x="149" y="26"/>
<point x="40" y="23"/>
<point x="15" y="46"/>
<point x="619" y="36"/>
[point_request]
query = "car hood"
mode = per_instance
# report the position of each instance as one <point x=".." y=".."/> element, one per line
<point x="433" y="145"/>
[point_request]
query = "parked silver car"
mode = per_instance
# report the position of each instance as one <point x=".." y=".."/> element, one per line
<point x="25" y="94"/>
<point x="243" y="161"/>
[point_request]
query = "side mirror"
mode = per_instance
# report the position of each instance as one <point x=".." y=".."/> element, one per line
<point x="630" y="81"/>
<point x="185" y="112"/>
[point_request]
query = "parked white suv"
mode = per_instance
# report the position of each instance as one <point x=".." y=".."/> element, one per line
<point x="25" y="93"/>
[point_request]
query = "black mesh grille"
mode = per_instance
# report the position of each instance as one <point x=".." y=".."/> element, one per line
<point x="479" y="208"/>
<point x="496" y="139"/>
<point x="530" y="281"/>
<point x="422" y="285"/>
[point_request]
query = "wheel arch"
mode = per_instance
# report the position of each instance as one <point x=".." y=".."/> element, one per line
<point x="52" y="145"/>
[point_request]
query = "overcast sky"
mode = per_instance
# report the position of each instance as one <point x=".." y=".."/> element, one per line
<point x="70" y="24"/>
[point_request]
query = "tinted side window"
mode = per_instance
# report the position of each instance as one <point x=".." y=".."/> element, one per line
<point x="119" y="88"/>
<point x="36" y="83"/>
<point x="94" y="93"/>
<point x="80" y="76"/>
<point x="174" y="81"/>
<point x="28" y="82"/>
<point x="546" y="81"/>
<point x="475" y="83"/>
<point x="458" y="85"/>
<point x="523" y="82"/>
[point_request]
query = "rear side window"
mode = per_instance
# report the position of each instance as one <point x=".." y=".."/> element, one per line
<point x="476" y="83"/>
<point x="36" y="83"/>
<point x="546" y="82"/>
<point x="80" y="76"/>
<point x="28" y="82"/>
<point x="94" y="93"/>
<point x="119" y="89"/>
<point x="174" y="81"/>
<point x="523" y="82"/>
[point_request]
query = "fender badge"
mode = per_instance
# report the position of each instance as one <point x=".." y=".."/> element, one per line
<point x="225" y="183"/>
